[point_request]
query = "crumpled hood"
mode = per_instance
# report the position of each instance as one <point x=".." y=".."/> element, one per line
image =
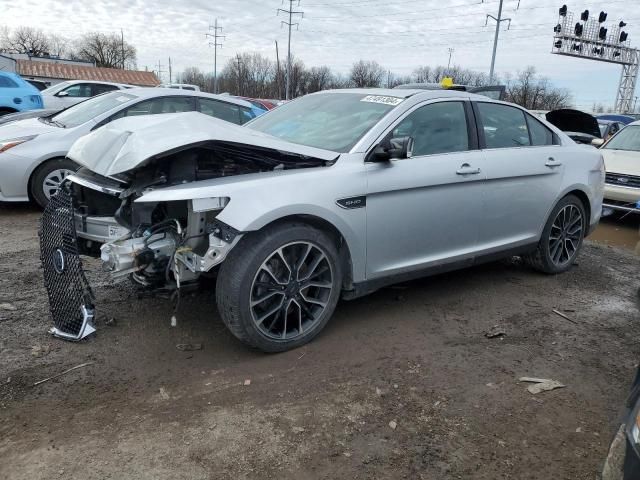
<point x="125" y="144"/>
<point x="569" y="120"/>
<point x="24" y="128"/>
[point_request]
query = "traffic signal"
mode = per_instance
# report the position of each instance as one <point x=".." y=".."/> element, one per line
<point x="623" y="37"/>
<point x="578" y="29"/>
<point x="584" y="16"/>
<point x="563" y="11"/>
<point x="599" y="51"/>
<point x="577" y="47"/>
<point x="616" y="54"/>
<point x="603" y="17"/>
<point x="622" y="24"/>
<point x="557" y="28"/>
<point x="602" y="34"/>
<point x="558" y="44"/>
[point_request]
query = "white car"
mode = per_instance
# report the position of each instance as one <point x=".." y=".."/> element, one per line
<point x="65" y="94"/>
<point x="32" y="152"/>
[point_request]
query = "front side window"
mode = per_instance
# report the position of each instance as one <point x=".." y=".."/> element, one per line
<point x="160" y="105"/>
<point x="331" y="121"/>
<point x="82" y="90"/>
<point x="436" y="128"/>
<point x="627" y="139"/>
<point x="503" y="126"/>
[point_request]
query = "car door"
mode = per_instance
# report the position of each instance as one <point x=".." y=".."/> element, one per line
<point x="524" y="170"/>
<point x="425" y="210"/>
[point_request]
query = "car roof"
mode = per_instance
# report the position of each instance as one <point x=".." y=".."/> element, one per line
<point x="73" y="82"/>
<point x="405" y="93"/>
<point x="147" y="92"/>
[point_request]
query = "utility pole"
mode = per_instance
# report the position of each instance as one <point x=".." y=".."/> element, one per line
<point x="122" y="46"/>
<point x="159" y="71"/>
<point x="170" y="78"/>
<point x="215" y="36"/>
<point x="290" y="24"/>
<point x="498" y="21"/>
<point x="278" y="76"/>
<point x="449" y="64"/>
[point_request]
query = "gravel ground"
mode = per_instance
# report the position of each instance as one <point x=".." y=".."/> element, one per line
<point x="401" y="384"/>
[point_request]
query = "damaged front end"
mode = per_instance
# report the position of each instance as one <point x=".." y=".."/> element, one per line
<point x="159" y="245"/>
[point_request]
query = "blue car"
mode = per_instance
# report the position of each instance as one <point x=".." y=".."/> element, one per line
<point x="17" y="95"/>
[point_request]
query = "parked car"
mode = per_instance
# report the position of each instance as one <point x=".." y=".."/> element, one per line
<point x="14" y="117"/>
<point x="261" y="103"/>
<point x="623" y="460"/>
<point x="625" y="119"/>
<point x="39" y="84"/>
<point x="608" y="128"/>
<point x="581" y="127"/>
<point x="64" y="94"/>
<point x="32" y="152"/>
<point x="16" y="95"/>
<point x="335" y="194"/>
<point x="622" y="161"/>
<point x="181" y="86"/>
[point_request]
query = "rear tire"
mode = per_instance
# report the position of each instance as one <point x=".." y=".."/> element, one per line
<point x="47" y="178"/>
<point x="561" y="238"/>
<point x="278" y="287"/>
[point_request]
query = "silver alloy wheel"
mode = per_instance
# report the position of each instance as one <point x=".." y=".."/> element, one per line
<point x="53" y="180"/>
<point x="291" y="290"/>
<point x="565" y="235"/>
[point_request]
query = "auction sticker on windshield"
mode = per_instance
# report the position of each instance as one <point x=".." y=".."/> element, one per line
<point x="383" y="99"/>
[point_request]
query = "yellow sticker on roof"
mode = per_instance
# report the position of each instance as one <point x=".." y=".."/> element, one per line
<point x="383" y="99"/>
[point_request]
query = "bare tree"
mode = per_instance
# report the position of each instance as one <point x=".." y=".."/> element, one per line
<point x="28" y="40"/>
<point x="535" y="93"/>
<point x="367" y="74"/>
<point x="105" y="51"/>
<point x="319" y="78"/>
<point x="193" y="76"/>
<point x="58" y="45"/>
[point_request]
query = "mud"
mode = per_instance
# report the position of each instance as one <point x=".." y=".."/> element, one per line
<point x="415" y="355"/>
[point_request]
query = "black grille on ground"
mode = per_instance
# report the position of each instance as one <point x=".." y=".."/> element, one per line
<point x="622" y="180"/>
<point x="64" y="279"/>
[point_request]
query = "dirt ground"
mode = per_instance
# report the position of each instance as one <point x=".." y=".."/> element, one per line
<point x="415" y="355"/>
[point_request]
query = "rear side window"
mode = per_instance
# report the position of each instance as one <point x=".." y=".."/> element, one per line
<point x="503" y="126"/>
<point x="222" y="110"/>
<point x="79" y="90"/>
<point x="540" y="135"/>
<point x="6" y="82"/>
<point x="98" y="88"/>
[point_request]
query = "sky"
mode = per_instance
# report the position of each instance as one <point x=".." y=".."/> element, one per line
<point x="399" y="34"/>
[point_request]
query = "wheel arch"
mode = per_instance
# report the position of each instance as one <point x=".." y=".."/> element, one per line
<point x="35" y="168"/>
<point x="578" y="191"/>
<point x="322" y="224"/>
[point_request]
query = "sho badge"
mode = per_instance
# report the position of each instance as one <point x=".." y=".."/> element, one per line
<point x="352" y="202"/>
<point x="58" y="261"/>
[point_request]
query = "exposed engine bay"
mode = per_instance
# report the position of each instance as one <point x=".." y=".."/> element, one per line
<point x="171" y="243"/>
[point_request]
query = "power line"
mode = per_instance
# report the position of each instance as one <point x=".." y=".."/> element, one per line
<point x="290" y="24"/>
<point x="215" y="36"/>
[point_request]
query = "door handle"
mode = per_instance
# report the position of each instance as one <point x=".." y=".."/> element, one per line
<point x="466" y="169"/>
<point x="552" y="163"/>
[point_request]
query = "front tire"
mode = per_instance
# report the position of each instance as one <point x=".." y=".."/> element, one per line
<point x="561" y="238"/>
<point x="278" y="287"/>
<point x="48" y="177"/>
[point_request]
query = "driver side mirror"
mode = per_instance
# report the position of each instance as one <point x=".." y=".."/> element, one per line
<point x="399" y="147"/>
<point x="597" y="142"/>
<point x="62" y="94"/>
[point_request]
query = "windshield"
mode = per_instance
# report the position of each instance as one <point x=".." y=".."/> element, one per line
<point x="331" y="121"/>
<point x="627" y="139"/>
<point x="89" y="109"/>
<point x="53" y="89"/>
